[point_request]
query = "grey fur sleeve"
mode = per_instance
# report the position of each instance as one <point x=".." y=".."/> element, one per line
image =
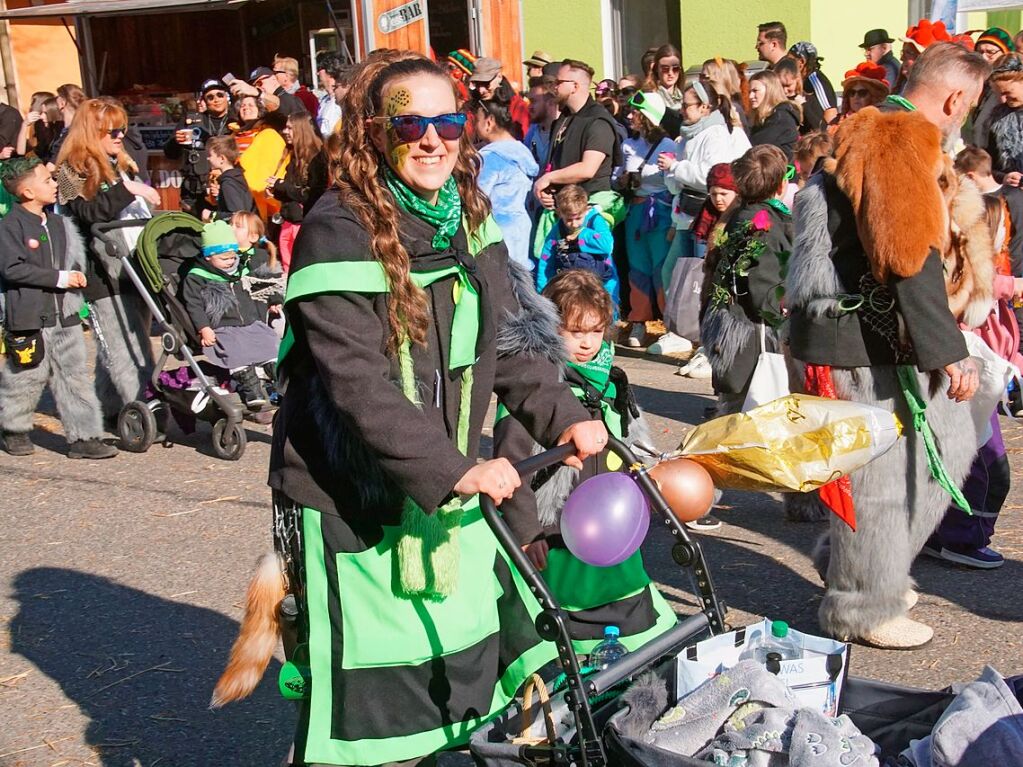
<point x="812" y="281"/>
<point x="533" y="330"/>
<point x="74" y="258"/>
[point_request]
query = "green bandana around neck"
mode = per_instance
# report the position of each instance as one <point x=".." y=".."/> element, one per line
<point x="597" y="371"/>
<point x="902" y="102"/>
<point x="445" y="216"/>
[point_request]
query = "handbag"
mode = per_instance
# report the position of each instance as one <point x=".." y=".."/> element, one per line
<point x="682" y="300"/>
<point x="25" y="350"/>
<point x="770" y="379"/>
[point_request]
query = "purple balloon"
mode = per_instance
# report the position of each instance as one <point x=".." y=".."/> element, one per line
<point x="605" y="519"/>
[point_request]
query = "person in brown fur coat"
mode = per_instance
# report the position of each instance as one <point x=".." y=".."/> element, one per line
<point x="870" y="322"/>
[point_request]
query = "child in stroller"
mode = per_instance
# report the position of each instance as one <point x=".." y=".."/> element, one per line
<point x="232" y="332"/>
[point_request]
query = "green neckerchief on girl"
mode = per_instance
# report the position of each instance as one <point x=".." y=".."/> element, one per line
<point x="445" y="216"/>
<point x="902" y="102"/>
<point x="779" y="206"/>
<point x="597" y="372"/>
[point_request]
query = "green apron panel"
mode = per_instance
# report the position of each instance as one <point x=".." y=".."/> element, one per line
<point x="413" y="630"/>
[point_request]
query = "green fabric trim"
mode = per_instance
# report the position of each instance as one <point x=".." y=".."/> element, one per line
<point x="445" y="216"/>
<point x="917" y="406"/>
<point x="902" y="102"/>
<point x="778" y="205"/>
<point x="206" y="274"/>
<point x="579" y="586"/>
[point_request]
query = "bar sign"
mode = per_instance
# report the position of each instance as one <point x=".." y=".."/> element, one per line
<point x="396" y="18"/>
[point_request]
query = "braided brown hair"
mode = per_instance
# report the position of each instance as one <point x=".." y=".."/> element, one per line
<point x="356" y="167"/>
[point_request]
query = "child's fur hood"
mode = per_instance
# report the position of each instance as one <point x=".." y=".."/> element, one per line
<point x="969" y="263"/>
<point x="890" y="166"/>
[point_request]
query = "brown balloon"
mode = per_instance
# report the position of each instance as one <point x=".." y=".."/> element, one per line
<point x="686" y="486"/>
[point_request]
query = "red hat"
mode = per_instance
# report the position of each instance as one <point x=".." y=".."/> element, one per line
<point x="720" y="175"/>
<point x="867" y="71"/>
<point x="926" y="34"/>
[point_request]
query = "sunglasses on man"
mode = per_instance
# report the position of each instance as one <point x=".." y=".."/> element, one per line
<point x="411" y="128"/>
<point x="213" y="95"/>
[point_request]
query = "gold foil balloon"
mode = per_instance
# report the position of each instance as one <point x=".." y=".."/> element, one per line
<point x="686" y="486"/>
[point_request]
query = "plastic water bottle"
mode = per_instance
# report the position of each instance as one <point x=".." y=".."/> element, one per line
<point x="779" y="642"/>
<point x="608" y="651"/>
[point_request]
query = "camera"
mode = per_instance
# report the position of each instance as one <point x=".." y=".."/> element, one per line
<point x="193" y="121"/>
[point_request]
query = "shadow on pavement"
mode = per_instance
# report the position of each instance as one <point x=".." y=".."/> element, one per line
<point x="142" y="669"/>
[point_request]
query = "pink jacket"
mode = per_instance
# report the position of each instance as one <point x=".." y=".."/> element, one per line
<point x="1000" y="331"/>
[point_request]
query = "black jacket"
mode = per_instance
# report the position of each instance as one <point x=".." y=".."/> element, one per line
<point x="754" y="294"/>
<point x="295" y="194"/>
<point x="892" y="67"/>
<point x="780" y="129"/>
<point x="195" y="168"/>
<point x="347" y="441"/>
<point x="235" y="196"/>
<point x="29" y="275"/>
<point x="842" y="339"/>
<point x="214" y="303"/>
<point x="290" y="103"/>
<point x="591" y="128"/>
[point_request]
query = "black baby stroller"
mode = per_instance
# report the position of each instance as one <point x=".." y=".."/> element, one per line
<point x="569" y="728"/>
<point x="167" y="244"/>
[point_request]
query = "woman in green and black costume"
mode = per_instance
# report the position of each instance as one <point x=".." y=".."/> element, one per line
<point x="594" y="597"/>
<point x="417" y="627"/>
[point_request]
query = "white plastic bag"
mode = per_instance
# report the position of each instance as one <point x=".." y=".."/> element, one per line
<point x="816" y="679"/>
<point x="995" y="374"/>
<point x="770" y="378"/>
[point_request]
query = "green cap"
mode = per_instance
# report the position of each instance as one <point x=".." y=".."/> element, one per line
<point x="218" y="237"/>
<point x="779" y="629"/>
<point x="651" y="105"/>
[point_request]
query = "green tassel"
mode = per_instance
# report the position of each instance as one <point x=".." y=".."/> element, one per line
<point x="428" y="552"/>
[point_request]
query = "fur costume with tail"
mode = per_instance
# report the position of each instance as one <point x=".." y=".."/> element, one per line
<point x="898" y="503"/>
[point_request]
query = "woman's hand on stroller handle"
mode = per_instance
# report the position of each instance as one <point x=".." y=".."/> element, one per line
<point x="496" y="478"/>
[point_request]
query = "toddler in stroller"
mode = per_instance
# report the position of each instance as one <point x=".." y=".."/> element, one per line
<point x="233" y="335"/>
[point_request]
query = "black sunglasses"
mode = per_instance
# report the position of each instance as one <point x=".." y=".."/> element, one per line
<point x="116" y="132"/>
<point x="215" y="95"/>
<point x="665" y="68"/>
<point x="857" y="93"/>
<point x="409" y="128"/>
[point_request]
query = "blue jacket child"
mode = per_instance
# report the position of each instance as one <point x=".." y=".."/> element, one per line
<point x="581" y="239"/>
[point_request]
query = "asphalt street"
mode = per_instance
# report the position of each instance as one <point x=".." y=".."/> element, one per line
<point x="123" y="583"/>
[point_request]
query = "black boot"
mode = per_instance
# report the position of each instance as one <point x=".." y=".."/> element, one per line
<point x="92" y="449"/>
<point x="250" y="388"/>
<point x="18" y="443"/>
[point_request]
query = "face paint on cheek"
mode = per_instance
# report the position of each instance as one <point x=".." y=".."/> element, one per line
<point x="397" y="100"/>
<point x="399" y="154"/>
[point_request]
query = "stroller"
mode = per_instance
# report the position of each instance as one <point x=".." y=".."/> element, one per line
<point x="167" y="244"/>
<point x="570" y="725"/>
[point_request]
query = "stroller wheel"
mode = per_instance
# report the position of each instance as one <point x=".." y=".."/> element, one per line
<point x="136" y="426"/>
<point x="228" y="440"/>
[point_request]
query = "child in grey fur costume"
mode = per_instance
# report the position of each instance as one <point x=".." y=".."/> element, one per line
<point x="903" y="320"/>
<point x="593" y="597"/>
<point x="41" y="258"/>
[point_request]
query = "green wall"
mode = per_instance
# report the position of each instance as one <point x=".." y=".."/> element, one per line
<point x="838" y="29"/>
<point x="728" y="28"/>
<point x="567" y="29"/>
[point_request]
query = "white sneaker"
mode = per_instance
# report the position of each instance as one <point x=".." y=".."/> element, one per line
<point x="637" y="334"/>
<point x="698" y="367"/>
<point x="670" y="343"/>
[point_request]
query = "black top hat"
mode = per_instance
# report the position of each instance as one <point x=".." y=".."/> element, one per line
<point x="876" y="37"/>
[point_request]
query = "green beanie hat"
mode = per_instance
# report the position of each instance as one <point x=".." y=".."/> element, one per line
<point x="218" y="237"/>
<point x="651" y="105"/>
<point x="997" y="37"/>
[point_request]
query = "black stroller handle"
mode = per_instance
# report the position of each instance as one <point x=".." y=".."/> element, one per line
<point x="552" y="623"/>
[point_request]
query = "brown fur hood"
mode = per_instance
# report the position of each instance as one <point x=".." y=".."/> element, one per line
<point x="890" y="166"/>
<point x="908" y="201"/>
